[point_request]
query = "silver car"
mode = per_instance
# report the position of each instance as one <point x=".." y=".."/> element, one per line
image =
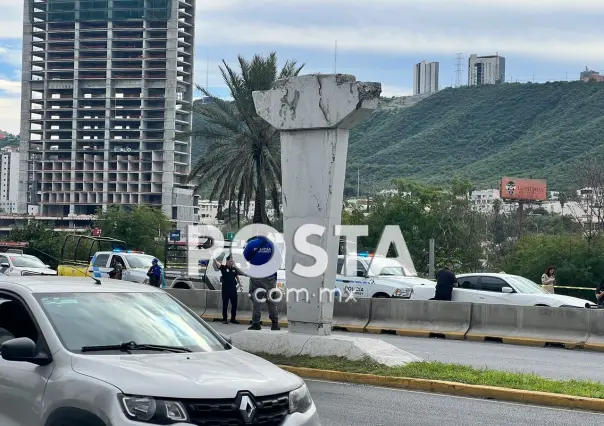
<point x="78" y="353"/>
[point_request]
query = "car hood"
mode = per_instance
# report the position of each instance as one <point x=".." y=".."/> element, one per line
<point x="558" y="300"/>
<point x="405" y="281"/>
<point x="188" y="375"/>
<point x="46" y="271"/>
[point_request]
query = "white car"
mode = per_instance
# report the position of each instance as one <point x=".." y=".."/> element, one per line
<point x="135" y="265"/>
<point x="387" y="278"/>
<point x="503" y="289"/>
<point x="80" y="352"/>
<point x="23" y="264"/>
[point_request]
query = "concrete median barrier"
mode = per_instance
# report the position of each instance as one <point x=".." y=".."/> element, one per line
<point x="194" y="299"/>
<point x="529" y="325"/>
<point x="595" y="340"/>
<point x="213" y="306"/>
<point x="419" y="318"/>
<point x="352" y="316"/>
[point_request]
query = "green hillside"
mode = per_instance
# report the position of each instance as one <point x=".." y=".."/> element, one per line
<point x="482" y="133"/>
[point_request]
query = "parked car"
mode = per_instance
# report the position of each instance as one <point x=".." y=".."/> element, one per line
<point x="386" y="278"/>
<point x="503" y="289"/>
<point x="23" y="264"/>
<point x="135" y="265"/>
<point x="88" y="352"/>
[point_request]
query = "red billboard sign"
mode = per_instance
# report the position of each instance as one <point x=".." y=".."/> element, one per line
<point x="523" y="189"/>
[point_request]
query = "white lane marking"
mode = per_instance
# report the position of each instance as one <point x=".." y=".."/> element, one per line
<point x="493" y="401"/>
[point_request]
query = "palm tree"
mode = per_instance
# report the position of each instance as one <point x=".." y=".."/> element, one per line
<point x="243" y="159"/>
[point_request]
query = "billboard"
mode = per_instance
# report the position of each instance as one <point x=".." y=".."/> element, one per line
<point x="523" y="189"/>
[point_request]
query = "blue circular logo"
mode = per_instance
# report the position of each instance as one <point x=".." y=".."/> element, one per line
<point x="258" y="250"/>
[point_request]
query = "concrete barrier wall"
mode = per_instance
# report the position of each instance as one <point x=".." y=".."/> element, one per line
<point x="194" y="299"/>
<point x="528" y="325"/>
<point x="420" y="318"/>
<point x="353" y="316"/>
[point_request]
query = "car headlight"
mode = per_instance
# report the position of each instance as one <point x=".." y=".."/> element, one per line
<point x="150" y="410"/>
<point x="403" y="292"/>
<point x="300" y="400"/>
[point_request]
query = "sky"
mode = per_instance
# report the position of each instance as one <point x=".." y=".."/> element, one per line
<point x="377" y="40"/>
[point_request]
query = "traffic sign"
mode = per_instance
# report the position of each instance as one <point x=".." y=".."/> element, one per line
<point x="175" y="235"/>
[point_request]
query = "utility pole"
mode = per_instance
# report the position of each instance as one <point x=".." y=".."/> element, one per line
<point x="431" y="265"/>
<point x="358" y="182"/>
<point x="458" y="67"/>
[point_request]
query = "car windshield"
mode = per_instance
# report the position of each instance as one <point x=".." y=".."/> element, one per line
<point x="525" y="286"/>
<point x="389" y="268"/>
<point x="102" y="319"/>
<point x="26" y="262"/>
<point x="140" y="261"/>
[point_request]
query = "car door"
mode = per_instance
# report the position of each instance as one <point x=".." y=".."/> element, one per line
<point x="100" y="264"/>
<point x="468" y="290"/>
<point x="22" y="384"/>
<point x="491" y="291"/>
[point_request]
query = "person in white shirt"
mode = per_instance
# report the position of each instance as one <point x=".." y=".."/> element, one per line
<point x="548" y="280"/>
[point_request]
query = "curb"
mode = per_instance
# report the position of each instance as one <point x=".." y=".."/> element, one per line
<point x="453" y="388"/>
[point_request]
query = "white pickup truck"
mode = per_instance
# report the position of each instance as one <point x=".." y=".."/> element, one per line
<point x="387" y="278"/>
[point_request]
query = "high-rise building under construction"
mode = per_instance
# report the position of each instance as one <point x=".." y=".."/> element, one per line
<point x="106" y="86"/>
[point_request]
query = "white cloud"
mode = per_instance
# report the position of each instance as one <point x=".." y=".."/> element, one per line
<point x="10" y="86"/>
<point x="10" y="56"/>
<point x="558" y="46"/>
<point x="10" y="114"/>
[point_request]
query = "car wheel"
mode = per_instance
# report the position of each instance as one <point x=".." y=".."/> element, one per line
<point x="381" y="296"/>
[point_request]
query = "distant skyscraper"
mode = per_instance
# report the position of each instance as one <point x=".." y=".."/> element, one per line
<point x="486" y="70"/>
<point x="425" y="78"/>
<point x="105" y="96"/>
<point x="9" y="179"/>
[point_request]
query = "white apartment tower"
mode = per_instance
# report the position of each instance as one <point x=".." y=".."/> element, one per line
<point x="486" y="70"/>
<point x="9" y="179"/>
<point x="425" y="78"/>
<point x="105" y="90"/>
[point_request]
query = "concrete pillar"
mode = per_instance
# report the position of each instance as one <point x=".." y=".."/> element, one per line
<point x="315" y="114"/>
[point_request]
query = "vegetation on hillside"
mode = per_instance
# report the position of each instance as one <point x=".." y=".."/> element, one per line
<point x="482" y="133"/>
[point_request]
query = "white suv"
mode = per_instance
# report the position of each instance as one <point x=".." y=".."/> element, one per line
<point x="79" y="353"/>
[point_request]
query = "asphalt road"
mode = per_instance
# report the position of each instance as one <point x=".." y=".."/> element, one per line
<point x="546" y="362"/>
<point x="354" y="405"/>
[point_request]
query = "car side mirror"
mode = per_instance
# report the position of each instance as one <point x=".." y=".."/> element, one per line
<point x="361" y="274"/>
<point x="23" y="349"/>
<point x="48" y="266"/>
<point x="4" y="265"/>
<point x="507" y="290"/>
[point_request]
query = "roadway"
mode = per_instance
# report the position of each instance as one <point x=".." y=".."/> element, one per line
<point x="554" y="363"/>
<point x="354" y="405"/>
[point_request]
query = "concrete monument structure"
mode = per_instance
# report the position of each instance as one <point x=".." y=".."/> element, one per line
<point x="315" y="114"/>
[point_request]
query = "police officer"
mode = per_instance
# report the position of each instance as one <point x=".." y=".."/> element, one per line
<point x="259" y="251"/>
<point x="445" y="281"/>
<point x="230" y="281"/>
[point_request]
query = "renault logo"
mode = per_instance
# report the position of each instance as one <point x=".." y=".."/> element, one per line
<point x="247" y="408"/>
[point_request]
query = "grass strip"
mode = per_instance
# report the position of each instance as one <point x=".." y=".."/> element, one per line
<point x="446" y="372"/>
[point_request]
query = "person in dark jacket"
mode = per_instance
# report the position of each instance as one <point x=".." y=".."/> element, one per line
<point x="445" y="281"/>
<point x="600" y="294"/>
<point x="116" y="273"/>
<point x="155" y="274"/>
<point x="230" y="281"/>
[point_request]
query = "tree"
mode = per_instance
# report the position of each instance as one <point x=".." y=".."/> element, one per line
<point x="142" y="227"/>
<point x="41" y="238"/>
<point x="591" y="200"/>
<point x="243" y="161"/>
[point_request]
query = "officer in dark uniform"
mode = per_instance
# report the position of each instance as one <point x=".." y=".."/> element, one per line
<point x="230" y="281"/>
<point x="445" y="281"/>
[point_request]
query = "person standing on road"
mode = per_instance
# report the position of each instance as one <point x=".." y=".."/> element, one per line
<point x="445" y="281"/>
<point x="230" y="281"/>
<point x="259" y="251"/>
<point x="548" y="280"/>
<point x="155" y="274"/>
